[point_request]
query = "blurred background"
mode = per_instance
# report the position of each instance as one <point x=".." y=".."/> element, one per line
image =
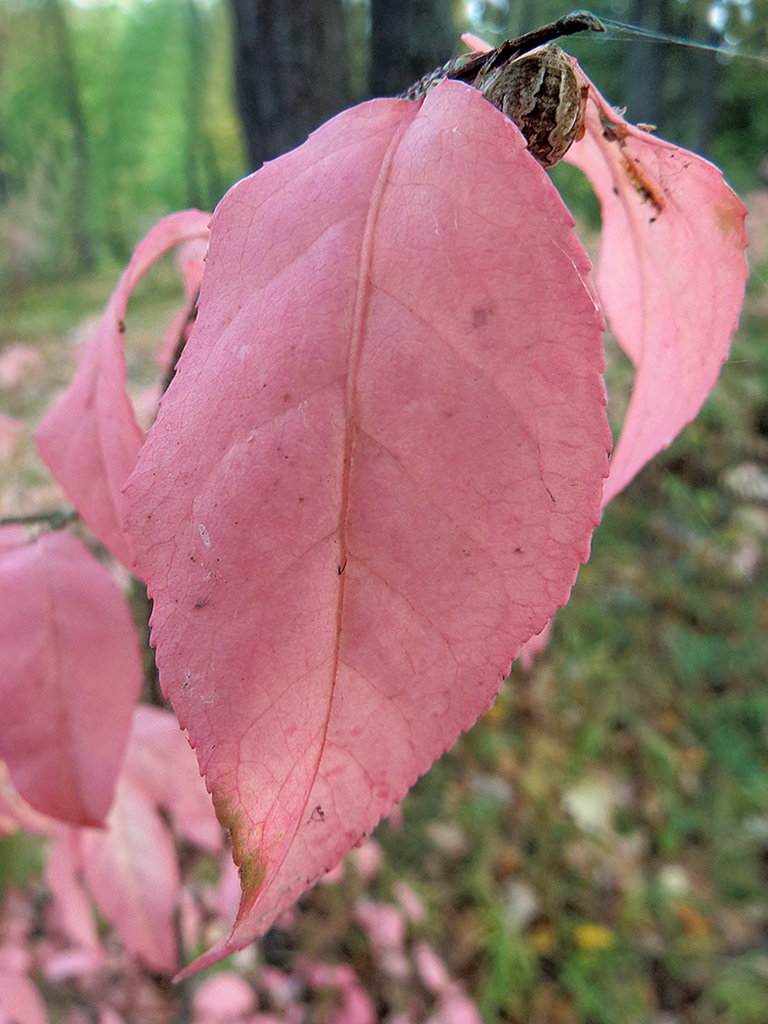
<point x="595" y="850"/>
<point x="113" y="113"/>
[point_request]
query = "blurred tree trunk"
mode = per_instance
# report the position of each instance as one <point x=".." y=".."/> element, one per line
<point x="408" y="39"/>
<point x="193" y="107"/>
<point x="643" y="87"/>
<point x="291" y="70"/>
<point x="707" y="93"/>
<point x="70" y="96"/>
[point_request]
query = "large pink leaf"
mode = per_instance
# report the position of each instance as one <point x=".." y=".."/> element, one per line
<point x="374" y="476"/>
<point x="671" y="275"/>
<point x="90" y="439"/>
<point x="70" y="675"/>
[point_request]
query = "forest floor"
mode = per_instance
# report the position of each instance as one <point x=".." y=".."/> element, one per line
<point x="595" y="849"/>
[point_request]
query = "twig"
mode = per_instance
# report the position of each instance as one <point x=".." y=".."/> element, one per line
<point x="55" y="518"/>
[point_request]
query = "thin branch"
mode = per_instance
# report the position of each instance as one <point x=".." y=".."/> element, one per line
<point x="55" y="518"/>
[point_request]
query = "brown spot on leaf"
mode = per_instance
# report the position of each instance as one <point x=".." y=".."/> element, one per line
<point x="481" y="314"/>
<point x="644" y="188"/>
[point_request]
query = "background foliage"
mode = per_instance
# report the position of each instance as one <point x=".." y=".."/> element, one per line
<point x="114" y="113"/>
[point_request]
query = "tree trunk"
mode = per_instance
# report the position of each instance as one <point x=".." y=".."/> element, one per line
<point x="70" y="94"/>
<point x="291" y="70"/>
<point x="708" y="95"/>
<point x="408" y="39"/>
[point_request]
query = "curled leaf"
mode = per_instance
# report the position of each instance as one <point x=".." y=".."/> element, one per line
<point x="90" y="439"/>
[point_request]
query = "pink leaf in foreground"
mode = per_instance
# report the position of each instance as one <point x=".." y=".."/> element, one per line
<point x="671" y="275"/>
<point x="70" y="675"/>
<point x="90" y="439"/>
<point x="374" y="476"/>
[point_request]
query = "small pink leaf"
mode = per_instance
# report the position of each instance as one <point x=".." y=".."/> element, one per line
<point x="131" y="868"/>
<point x="374" y="476"/>
<point x="356" y="1005"/>
<point x="226" y="998"/>
<point x="160" y="762"/>
<point x="20" y="364"/>
<point x="20" y="1001"/>
<point x="72" y="913"/>
<point x="70" y="674"/>
<point x="16" y="813"/>
<point x="671" y="275"/>
<point x="190" y="260"/>
<point x="90" y="439"/>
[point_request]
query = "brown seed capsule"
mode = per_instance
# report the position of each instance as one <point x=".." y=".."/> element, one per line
<point x="539" y="92"/>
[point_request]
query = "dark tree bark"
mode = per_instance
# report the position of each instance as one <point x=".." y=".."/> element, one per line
<point x="408" y="39"/>
<point x="70" y="95"/>
<point x="707" y="96"/>
<point x="291" y="70"/>
<point x="644" y="82"/>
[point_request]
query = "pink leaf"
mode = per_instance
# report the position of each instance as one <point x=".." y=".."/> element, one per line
<point x="16" y="813"/>
<point x="72" y="913"/>
<point x="431" y="969"/>
<point x="671" y="276"/>
<point x="11" y="538"/>
<point x="132" y="871"/>
<point x="356" y="1006"/>
<point x="20" y="364"/>
<point x="190" y="259"/>
<point x="160" y="763"/>
<point x="70" y="674"/>
<point x="455" y="1007"/>
<point x="374" y="476"/>
<point x="367" y="858"/>
<point x="410" y="902"/>
<point x="20" y="1002"/>
<point x="384" y="923"/>
<point x="90" y="439"/>
<point x="225" y="998"/>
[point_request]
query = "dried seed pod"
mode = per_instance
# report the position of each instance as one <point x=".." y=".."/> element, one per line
<point x="540" y="93"/>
